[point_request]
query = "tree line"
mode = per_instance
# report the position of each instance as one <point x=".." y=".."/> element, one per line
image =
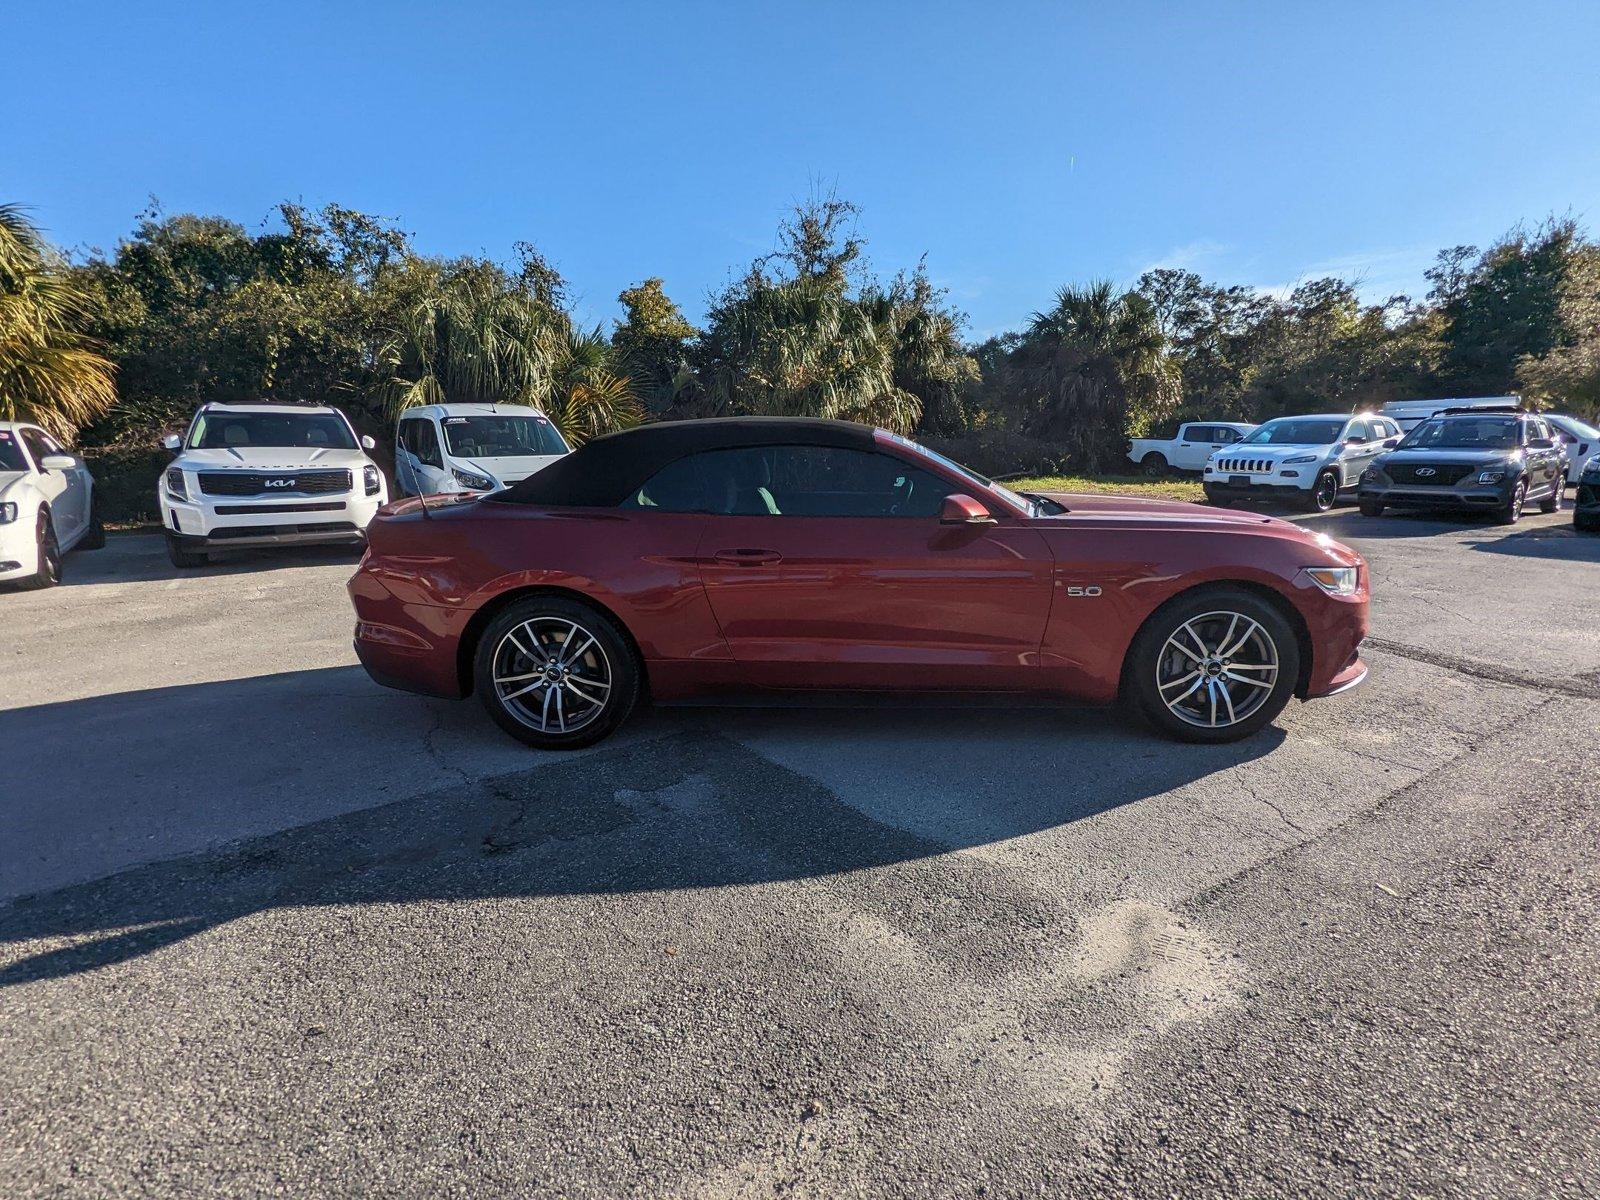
<point x="338" y="306"/>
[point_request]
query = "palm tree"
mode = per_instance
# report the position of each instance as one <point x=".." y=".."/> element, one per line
<point x="50" y="374"/>
<point x="1094" y="369"/>
<point x="587" y="396"/>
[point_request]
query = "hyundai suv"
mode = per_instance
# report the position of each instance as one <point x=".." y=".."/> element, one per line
<point x="1470" y="458"/>
<point x="266" y="475"/>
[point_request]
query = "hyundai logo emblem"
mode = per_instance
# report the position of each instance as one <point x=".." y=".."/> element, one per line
<point x="290" y="482"/>
<point x="1426" y="471"/>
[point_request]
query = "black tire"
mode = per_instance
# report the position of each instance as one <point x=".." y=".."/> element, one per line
<point x="48" y="572"/>
<point x="1512" y="512"/>
<point x="1214" y="496"/>
<point x="1552" y="502"/>
<point x="184" y="558"/>
<point x="611" y="659"/>
<point x="1585" y="523"/>
<point x="1372" y="508"/>
<point x="95" y="538"/>
<point x="1208" y="608"/>
<point x="1324" y="492"/>
<point x="1154" y="465"/>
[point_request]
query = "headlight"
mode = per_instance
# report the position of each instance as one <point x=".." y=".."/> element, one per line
<point x="1300" y="458"/>
<point x="471" y="479"/>
<point x="369" y="475"/>
<point x="175" y="485"/>
<point x="1336" y="581"/>
<point x="1491" y="476"/>
<point x="8" y="512"/>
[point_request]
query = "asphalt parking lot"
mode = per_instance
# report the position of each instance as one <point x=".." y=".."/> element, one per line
<point x="266" y="928"/>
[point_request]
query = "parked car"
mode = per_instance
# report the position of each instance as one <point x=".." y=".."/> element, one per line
<point x="471" y="447"/>
<point x="1408" y="414"/>
<point x="47" y="506"/>
<point x="1586" y="507"/>
<point x="251" y="475"/>
<point x="1475" y="458"/>
<point x="1309" y="460"/>
<point x="1582" y="442"/>
<point x="776" y="556"/>
<point x="1187" y="451"/>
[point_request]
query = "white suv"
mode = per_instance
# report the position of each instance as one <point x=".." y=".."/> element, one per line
<point x="266" y="475"/>
<point x="471" y="447"/>
<point x="1307" y="459"/>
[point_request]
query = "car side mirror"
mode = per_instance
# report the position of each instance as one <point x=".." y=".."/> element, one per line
<point x="367" y="443"/>
<point x="964" y="510"/>
<point x="1355" y="440"/>
<point x="172" y="442"/>
<point x="1391" y="443"/>
<point x="1541" y="444"/>
<point x="57" y="462"/>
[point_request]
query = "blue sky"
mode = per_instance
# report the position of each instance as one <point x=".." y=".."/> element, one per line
<point x="1019" y="146"/>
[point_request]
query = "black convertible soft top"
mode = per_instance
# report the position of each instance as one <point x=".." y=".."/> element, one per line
<point x="605" y="472"/>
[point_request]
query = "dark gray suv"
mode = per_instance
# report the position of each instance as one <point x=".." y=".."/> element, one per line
<point x="1495" y="459"/>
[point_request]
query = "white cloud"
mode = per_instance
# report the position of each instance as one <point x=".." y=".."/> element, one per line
<point x="1191" y="256"/>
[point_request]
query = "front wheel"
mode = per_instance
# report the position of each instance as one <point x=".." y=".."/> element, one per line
<point x="48" y="572"/>
<point x="184" y="558"/>
<point x="1512" y="512"/>
<point x="555" y="673"/>
<point x="1323" y="492"/>
<point x="1372" y="508"/>
<point x="1585" y="523"/>
<point x="1215" y="666"/>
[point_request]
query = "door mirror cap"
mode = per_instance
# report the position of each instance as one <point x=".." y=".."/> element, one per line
<point x="1355" y="439"/>
<point x="1541" y="444"/>
<point x="172" y="442"/>
<point x="964" y="510"/>
<point x="367" y="442"/>
<point x="57" y="462"/>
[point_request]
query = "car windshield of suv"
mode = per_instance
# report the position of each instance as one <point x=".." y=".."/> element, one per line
<point x="235" y="431"/>
<point x="11" y="458"/>
<point x="1463" y="433"/>
<point x="1296" y="433"/>
<point x="502" y="437"/>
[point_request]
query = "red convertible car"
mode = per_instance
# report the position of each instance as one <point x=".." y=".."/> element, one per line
<point x="731" y="557"/>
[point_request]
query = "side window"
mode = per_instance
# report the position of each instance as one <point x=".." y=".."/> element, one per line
<point x="39" y="444"/>
<point x="422" y="440"/>
<point x="1358" y="429"/>
<point x="1225" y="435"/>
<point x="1195" y="433"/>
<point x="794" y="481"/>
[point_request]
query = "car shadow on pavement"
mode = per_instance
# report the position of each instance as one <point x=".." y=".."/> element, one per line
<point x="689" y="807"/>
<point x="127" y="560"/>
<point x="1553" y="541"/>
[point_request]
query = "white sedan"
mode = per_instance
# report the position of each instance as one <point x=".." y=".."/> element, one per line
<point x="46" y="506"/>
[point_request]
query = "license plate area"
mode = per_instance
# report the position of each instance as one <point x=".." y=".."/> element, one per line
<point x="1238" y="481"/>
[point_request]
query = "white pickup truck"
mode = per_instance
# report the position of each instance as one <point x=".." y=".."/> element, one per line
<point x="1189" y="450"/>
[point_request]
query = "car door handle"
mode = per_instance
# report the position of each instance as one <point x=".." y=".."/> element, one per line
<point x="747" y="558"/>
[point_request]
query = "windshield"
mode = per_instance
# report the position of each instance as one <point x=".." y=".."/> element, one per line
<point x="501" y="437"/>
<point x="11" y="458"/>
<point x="1022" y="502"/>
<point x="1463" y="433"/>
<point x="1295" y="432"/>
<point x="234" y="431"/>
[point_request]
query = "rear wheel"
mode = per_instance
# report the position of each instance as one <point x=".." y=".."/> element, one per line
<point x="48" y="572"/>
<point x="1552" y="502"/>
<point x="95" y="538"/>
<point x="1154" y="465"/>
<point x="556" y="673"/>
<point x="1512" y="512"/>
<point x="1215" y="666"/>
<point x="1372" y="508"/>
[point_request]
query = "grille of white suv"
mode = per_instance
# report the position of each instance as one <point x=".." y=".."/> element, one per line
<point x="1244" y="464"/>
<point x="273" y="483"/>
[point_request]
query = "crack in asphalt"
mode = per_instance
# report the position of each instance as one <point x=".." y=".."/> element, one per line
<point x="1488" y="671"/>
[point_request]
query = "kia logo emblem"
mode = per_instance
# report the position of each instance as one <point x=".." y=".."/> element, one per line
<point x="1426" y="471"/>
<point x="290" y="482"/>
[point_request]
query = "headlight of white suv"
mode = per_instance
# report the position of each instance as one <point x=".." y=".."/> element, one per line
<point x="471" y="479"/>
<point x="1336" y="581"/>
<point x="1300" y="458"/>
<point x="175" y="485"/>
<point x="8" y="512"/>
<point x="369" y="478"/>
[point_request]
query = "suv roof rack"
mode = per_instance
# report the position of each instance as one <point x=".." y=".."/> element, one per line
<point x="1487" y="408"/>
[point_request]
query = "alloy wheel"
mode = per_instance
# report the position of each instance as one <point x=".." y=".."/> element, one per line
<point x="1217" y="669"/>
<point x="552" y="674"/>
<point x="1327" y="491"/>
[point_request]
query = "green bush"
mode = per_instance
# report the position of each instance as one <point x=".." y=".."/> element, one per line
<point x="125" y="480"/>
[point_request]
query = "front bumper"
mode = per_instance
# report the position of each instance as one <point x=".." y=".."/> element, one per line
<point x="1263" y="489"/>
<point x="218" y="523"/>
<point x="19" y="552"/>
<point x="1410" y="495"/>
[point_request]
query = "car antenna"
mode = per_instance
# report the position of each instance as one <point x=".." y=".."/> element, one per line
<point x="422" y="499"/>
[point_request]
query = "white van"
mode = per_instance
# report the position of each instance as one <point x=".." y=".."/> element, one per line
<point x="1408" y="414"/>
<point x="472" y="447"/>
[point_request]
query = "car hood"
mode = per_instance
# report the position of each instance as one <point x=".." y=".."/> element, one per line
<point x="268" y="458"/>
<point x="1271" y="454"/>
<point x="8" y="482"/>
<point x="509" y="468"/>
<point x="1472" y="457"/>
<point x="1200" y="518"/>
